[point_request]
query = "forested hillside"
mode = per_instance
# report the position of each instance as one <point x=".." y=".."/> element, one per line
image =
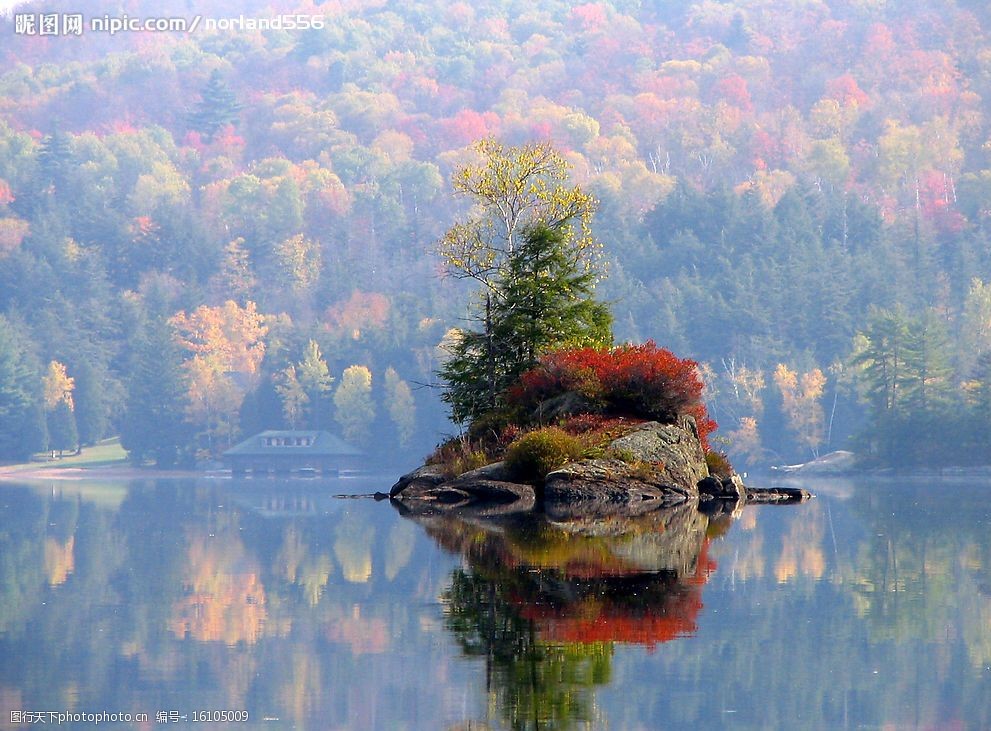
<point x="204" y="234"/>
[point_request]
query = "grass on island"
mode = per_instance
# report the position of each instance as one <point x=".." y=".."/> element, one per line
<point x="106" y="453"/>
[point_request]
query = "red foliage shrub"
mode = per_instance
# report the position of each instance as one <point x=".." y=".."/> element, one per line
<point x="594" y="423"/>
<point x="640" y="381"/>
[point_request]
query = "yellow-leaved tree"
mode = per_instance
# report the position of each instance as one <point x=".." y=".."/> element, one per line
<point x="227" y="348"/>
<point x="60" y="408"/>
<point x="513" y="189"/>
<point x="800" y="395"/>
<point x="354" y="409"/>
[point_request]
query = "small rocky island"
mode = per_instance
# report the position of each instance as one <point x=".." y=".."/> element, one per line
<point x="644" y="466"/>
<point x="558" y="418"/>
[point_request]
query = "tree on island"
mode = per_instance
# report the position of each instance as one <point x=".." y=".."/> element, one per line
<point x="536" y="377"/>
<point x="529" y="247"/>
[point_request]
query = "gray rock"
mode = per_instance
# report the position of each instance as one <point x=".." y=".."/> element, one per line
<point x="493" y="490"/>
<point x="609" y="486"/>
<point x="728" y="488"/>
<point x="675" y="448"/>
<point x="495" y="471"/>
<point x="467" y="497"/>
<point x="711" y="486"/>
<point x="428" y="475"/>
<point x="777" y="495"/>
<point x="734" y="487"/>
<point x="665" y="466"/>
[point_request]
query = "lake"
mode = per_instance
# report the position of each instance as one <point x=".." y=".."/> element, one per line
<point x="193" y="602"/>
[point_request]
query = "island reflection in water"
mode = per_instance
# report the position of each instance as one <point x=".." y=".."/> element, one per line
<point x="868" y="607"/>
<point x="545" y="601"/>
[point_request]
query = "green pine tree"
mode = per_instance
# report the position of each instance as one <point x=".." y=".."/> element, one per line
<point x="218" y="107"/>
<point x="154" y="425"/>
<point x="316" y="381"/>
<point x="62" y="432"/>
<point x="20" y="398"/>
<point x="542" y="302"/>
<point x="92" y="403"/>
<point x="54" y="159"/>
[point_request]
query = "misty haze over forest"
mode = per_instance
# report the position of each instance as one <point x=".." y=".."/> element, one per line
<point x="210" y="233"/>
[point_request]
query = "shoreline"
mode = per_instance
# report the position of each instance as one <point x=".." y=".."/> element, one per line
<point x="15" y="473"/>
<point x="126" y="471"/>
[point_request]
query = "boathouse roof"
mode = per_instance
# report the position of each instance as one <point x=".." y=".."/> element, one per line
<point x="279" y="442"/>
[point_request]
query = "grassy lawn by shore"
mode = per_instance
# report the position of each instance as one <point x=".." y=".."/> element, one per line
<point x="107" y="453"/>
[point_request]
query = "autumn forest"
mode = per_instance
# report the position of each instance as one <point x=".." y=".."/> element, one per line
<point x="206" y="234"/>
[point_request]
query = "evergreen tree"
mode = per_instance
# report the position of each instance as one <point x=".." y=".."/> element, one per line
<point x="979" y="416"/>
<point x="62" y="432"/>
<point x="54" y="159"/>
<point x="530" y="247"/>
<point x="927" y="383"/>
<point x="218" y="107"/>
<point x="401" y="407"/>
<point x="294" y="398"/>
<point x="879" y="359"/>
<point x="906" y="380"/>
<point x="262" y="408"/>
<point x="34" y="436"/>
<point x="542" y="303"/>
<point x="153" y="425"/>
<point x="546" y="302"/>
<point x="315" y="379"/>
<point x="92" y="403"/>
<point x="20" y="398"/>
<point x="931" y="425"/>
<point x="355" y="411"/>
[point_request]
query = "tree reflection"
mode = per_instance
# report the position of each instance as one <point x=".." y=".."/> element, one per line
<point x="536" y="683"/>
<point x="545" y="602"/>
<point x="224" y="596"/>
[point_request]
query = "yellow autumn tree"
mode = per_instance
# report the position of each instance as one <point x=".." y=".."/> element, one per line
<point x="513" y="189"/>
<point x="745" y="441"/>
<point x="800" y="396"/>
<point x="58" y="386"/>
<point x="60" y="408"/>
<point x="227" y="348"/>
<point x="354" y="409"/>
<point x="299" y="263"/>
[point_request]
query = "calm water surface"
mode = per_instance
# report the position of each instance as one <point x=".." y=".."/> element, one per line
<point x="868" y="607"/>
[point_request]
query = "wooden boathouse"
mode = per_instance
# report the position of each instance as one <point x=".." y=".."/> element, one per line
<point x="289" y="451"/>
